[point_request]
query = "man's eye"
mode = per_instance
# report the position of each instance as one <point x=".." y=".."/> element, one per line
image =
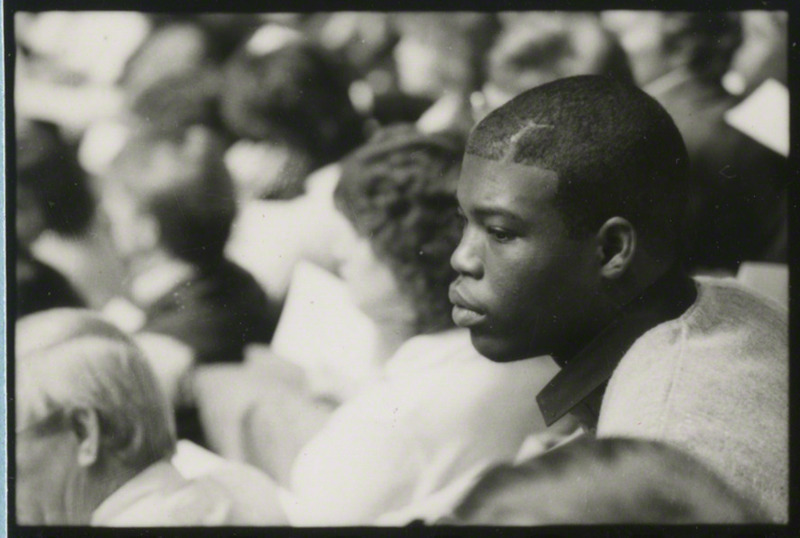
<point x="498" y="234"/>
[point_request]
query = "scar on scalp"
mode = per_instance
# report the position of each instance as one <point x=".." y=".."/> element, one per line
<point x="515" y="138"/>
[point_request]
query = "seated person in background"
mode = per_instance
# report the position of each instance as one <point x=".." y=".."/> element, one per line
<point x="602" y="481"/>
<point x="288" y="103"/>
<point x="439" y="56"/>
<point x="51" y="193"/>
<point x="94" y="437"/>
<point x="177" y="44"/>
<point x="171" y="204"/>
<point x="439" y="410"/>
<point x="548" y="47"/>
<point x="287" y="100"/>
<point x="573" y="193"/>
<point x="763" y="52"/>
<point x="365" y="41"/>
<point x="737" y="199"/>
<point x="181" y="100"/>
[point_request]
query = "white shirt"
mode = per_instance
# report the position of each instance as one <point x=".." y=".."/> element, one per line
<point x="159" y="496"/>
<point x="195" y="488"/>
<point x="441" y="412"/>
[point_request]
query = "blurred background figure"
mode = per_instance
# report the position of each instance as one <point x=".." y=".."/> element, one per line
<point x="68" y="63"/>
<point x="604" y="481"/>
<point x="536" y="48"/>
<point x="52" y="194"/>
<point x="180" y="44"/>
<point x="440" y="57"/>
<point x="762" y="54"/>
<point x="738" y="201"/>
<point x="179" y="101"/>
<point x="171" y="205"/>
<point x="287" y="101"/>
<point x="94" y="437"/>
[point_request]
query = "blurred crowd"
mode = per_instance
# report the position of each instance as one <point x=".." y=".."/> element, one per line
<point x="233" y="245"/>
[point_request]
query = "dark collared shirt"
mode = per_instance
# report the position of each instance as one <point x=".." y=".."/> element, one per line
<point x="579" y="387"/>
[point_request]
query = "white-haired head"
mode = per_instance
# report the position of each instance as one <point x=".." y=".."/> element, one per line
<point x="70" y="359"/>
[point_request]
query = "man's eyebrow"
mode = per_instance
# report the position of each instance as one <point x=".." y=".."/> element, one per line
<point x="484" y="212"/>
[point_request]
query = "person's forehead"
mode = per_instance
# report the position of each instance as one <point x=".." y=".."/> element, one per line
<point x="505" y="182"/>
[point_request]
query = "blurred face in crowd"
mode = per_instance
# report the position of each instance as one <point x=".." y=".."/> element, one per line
<point x="370" y="281"/>
<point x="524" y="287"/>
<point x="639" y="33"/>
<point x="418" y="67"/>
<point x="256" y="166"/>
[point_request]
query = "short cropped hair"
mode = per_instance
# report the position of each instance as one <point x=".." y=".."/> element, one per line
<point x="710" y="39"/>
<point x="399" y="191"/>
<point x="558" y="46"/>
<point x="610" y="480"/>
<point x="70" y="358"/>
<point x="49" y="168"/>
<point x="297" y="93"/>
<point x="179" y="177"/>
<point x="616" y="152"/>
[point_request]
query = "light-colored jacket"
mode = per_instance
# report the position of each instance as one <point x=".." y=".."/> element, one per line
<point x="714" y="382"/>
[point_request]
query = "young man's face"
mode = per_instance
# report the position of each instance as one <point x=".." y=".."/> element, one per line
<point x="525" y="288"/>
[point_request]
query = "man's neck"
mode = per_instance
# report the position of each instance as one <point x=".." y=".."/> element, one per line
<point x="620" y="295"/>
<point x="94" y="489"/>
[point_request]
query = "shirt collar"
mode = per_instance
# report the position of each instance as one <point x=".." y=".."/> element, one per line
<point x="159" y="477"/>
<point x="579" y="386"/>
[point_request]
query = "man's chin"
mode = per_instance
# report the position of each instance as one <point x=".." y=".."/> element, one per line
<point x="498" y="349"/>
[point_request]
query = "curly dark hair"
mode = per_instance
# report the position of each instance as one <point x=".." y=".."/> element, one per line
<point x="398" y="190"/>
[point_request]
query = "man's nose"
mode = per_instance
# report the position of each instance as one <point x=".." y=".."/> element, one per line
<point x="466" y="259"/>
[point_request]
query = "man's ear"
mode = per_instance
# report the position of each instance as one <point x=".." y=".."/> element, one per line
<point x="86" y="426"/>
<point x="617" y="245"/>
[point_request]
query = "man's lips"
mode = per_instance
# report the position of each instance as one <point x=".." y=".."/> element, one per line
<point x="464" y="313"/>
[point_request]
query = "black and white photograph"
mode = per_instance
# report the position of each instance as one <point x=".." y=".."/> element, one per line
<point x="371" y="268"/>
